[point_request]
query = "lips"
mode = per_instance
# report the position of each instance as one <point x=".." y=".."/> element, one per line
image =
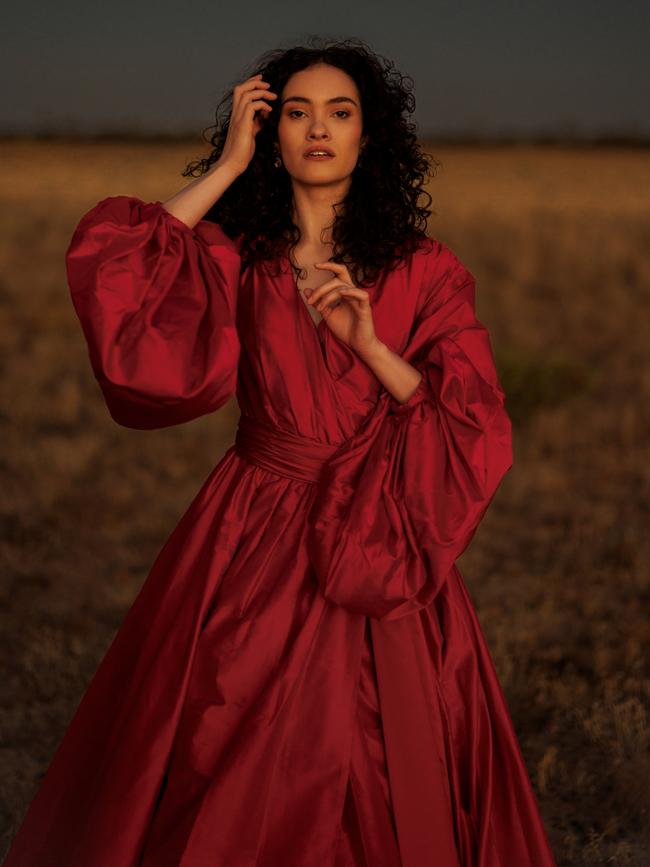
<point x="326" y="150"/>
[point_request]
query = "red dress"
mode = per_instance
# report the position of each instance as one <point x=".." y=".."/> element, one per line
<point x="302" y="680"/>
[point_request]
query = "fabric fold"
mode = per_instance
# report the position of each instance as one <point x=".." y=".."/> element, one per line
<point x="401" y="500"/>
<point x="157" y="303"/>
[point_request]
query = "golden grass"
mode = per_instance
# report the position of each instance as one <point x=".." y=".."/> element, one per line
<point x="558" y="241"/>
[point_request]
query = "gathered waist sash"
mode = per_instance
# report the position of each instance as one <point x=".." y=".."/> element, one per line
<point x="283" y="452"/>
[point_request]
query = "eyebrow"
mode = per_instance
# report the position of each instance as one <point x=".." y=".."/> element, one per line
<point x="327" y="101"/>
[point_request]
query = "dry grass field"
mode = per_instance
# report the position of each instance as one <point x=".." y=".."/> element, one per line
<point x="558" y="240"/>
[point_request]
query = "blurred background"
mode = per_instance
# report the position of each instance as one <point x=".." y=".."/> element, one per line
<point x="538" y="117"/>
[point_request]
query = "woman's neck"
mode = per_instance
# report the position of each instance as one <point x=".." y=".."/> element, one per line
<point x="314" y="212"/>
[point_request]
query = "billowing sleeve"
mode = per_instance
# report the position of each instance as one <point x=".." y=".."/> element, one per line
<point x="399" y="502"/>
<point x="157" y="304"/>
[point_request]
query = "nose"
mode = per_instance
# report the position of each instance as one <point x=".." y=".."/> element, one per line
<point x="318" y="130"/>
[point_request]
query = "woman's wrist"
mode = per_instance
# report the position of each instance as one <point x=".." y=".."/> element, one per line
<point x="397" y="376"/>
<point x="374" y="353"/>
<point x="192" y="202"/>
<point x="225" y="169"/>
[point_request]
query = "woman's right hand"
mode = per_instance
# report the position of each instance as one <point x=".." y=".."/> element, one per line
<point x="239" y="146"/>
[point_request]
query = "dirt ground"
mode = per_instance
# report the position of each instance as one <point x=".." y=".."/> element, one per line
<point x="558" y="240"/>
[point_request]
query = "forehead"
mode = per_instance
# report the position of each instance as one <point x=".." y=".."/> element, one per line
<point x="320" y="83"/>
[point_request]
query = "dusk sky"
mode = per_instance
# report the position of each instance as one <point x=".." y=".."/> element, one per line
<point x="490" y="68"/>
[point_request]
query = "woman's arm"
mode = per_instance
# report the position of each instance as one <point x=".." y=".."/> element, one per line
<point x="190" y="204"/>
<point x="397" y="376"/>
<point x="400" y="501"/>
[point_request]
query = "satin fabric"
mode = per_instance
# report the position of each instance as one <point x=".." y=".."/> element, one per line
<point x="302" y="679"/>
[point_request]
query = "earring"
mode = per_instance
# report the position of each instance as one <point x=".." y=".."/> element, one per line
<point x="278" y="160"/>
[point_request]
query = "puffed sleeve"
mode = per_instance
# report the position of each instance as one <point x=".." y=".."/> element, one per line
<point x="157" y="304"/>
<point x="399" y="502"/>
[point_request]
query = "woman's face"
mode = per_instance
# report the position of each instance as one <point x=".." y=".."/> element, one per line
<point x="320" y="107"/>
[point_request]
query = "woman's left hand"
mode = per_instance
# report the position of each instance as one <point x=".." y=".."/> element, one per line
<point x="345" y="309"/>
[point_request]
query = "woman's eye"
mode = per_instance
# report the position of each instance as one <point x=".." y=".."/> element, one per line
<point x="340" y="111"/>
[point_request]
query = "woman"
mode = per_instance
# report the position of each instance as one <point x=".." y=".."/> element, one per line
<point x="302" y="679"/>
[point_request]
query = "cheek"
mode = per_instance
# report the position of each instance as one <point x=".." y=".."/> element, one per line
<point x="353" y="137"/>
<point x="290" y="138"/>
<point x="352" y="146"/>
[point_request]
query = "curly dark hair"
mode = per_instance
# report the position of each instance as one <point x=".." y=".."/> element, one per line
<point x="382" y="218"/>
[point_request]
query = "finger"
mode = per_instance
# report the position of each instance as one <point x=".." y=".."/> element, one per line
<point x="258" y="103"/>
<point x="323" y="289"/>
<point x="337" y="267"/>
<point x="249" y="99"/>
<point x="342" y="279"/>
<point x="249" y="108"/>
<point x="345" y="288"/>
<point x="240" y="88"/>
<point x="353" y="292"/>
<point x="253" y="80"/>
<point x="252" y="85"/>
<point x="359" y="304"/>
<point x="338" y="294"/>
<point x="260" y="92"/>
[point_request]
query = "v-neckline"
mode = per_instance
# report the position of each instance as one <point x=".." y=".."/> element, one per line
<point x="319" y="333"/>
